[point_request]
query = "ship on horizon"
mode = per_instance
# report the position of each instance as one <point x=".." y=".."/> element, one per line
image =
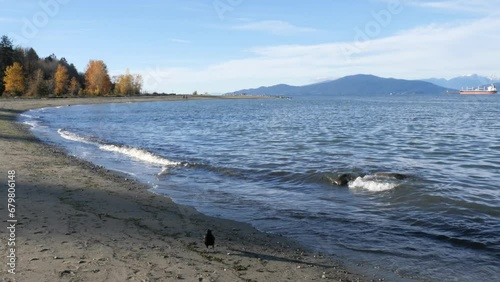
<point x="480" y="90"/>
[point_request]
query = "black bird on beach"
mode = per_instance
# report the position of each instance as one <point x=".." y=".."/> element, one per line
<point x="209" y="239"/>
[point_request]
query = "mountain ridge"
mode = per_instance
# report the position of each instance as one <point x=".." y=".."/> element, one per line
<point x="459" y="82"/>
<point x="359" y="84"/>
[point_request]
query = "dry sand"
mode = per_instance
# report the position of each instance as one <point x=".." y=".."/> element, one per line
<point x="79" y="222"/>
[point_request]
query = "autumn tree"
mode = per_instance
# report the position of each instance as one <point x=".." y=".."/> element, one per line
<point x="74" y="86"/>
<point x="38" y="86"/>
<point x="123" y="84"/>
<point x="128" y="84"/>
<point x="39" y="73"/>
<point x="6" y="58"/>
<point x="14" y="79"/>
<point x="97" y="79"/>
<point x="61" y="80"/>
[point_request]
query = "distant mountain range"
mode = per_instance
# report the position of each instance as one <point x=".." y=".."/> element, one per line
<point x="460" y="82"/>
<point x="361" y="84"/>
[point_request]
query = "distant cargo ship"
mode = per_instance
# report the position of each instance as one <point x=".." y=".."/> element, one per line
<point x="480" y="90"/>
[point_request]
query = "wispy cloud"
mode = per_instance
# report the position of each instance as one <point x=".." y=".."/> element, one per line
<point x="275" y="27"/>
<point x="181" y="41"/>
<point x="428" y="51"/>
<point x="476" y="7"/>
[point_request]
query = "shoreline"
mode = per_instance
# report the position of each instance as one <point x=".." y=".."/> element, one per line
<point x="78" y="221"/>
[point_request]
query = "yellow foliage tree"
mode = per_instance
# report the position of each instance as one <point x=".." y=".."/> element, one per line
<point x="128" y="84"/>
<point x="61" y="80"/>
<point x="124" y="84"/>
<point x="14" y="79"/>
<point x="97" y="79"/>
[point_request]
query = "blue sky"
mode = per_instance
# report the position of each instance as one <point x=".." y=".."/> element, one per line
<point x="219" y="46"/>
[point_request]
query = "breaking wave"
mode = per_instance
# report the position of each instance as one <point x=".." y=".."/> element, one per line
<point x="139" y="154"/>
<point x="29" y="116"/>
<point x="373" y="183"/>
<point x="131" y="152"/>
<point x="73" y="137"/>
<point x="32" y="123"/>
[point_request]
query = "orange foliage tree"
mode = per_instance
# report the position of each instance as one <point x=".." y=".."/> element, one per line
<point x="97" y="79"/>
<point x="61" y="80"/>
<point x="14" y="79"/>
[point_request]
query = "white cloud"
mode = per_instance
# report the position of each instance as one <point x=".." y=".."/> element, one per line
<point x="475" y="7"/>
<point x="182" y="41"/>
<point x="428" y="51"/>
<point x="274" y="27"/>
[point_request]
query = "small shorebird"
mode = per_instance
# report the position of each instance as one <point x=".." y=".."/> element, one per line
<point x="209" y="239"/>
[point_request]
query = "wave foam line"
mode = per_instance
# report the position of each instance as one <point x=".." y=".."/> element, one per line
<point x="28" y="116"/>
<point x="73" y="137"/>
<point x="132" y="152"/>
<point x="139" y="154"/>
<point x="370" y="183"/>
<point x="32" y="123"/>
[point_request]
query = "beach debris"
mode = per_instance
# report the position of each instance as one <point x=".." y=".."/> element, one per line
<point x="209" y="239"/>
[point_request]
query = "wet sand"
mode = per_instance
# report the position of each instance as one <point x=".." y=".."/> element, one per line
<point x="80" y="222"/>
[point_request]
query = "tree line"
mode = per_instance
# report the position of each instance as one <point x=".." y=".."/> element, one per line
<point x="24" y="73"/>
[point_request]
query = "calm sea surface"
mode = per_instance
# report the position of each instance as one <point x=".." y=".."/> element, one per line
<point x="272" y="163"/>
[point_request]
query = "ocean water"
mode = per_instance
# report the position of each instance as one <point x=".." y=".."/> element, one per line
<point x="272" y="163"/>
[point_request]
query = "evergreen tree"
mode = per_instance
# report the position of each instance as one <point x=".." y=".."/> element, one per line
<point x="6" y="58"/>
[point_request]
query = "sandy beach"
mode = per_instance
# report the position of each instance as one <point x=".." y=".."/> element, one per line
<point x="80" y="222"/>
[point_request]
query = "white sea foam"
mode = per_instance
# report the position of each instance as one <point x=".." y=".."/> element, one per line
<point x="32" y="123"/>
<point x="139" y="154"/>
<point x="372" y="183"/>
<point x="134" y="153"/>
<point x="72" y="136"/>
<point x="39" y="109"/>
